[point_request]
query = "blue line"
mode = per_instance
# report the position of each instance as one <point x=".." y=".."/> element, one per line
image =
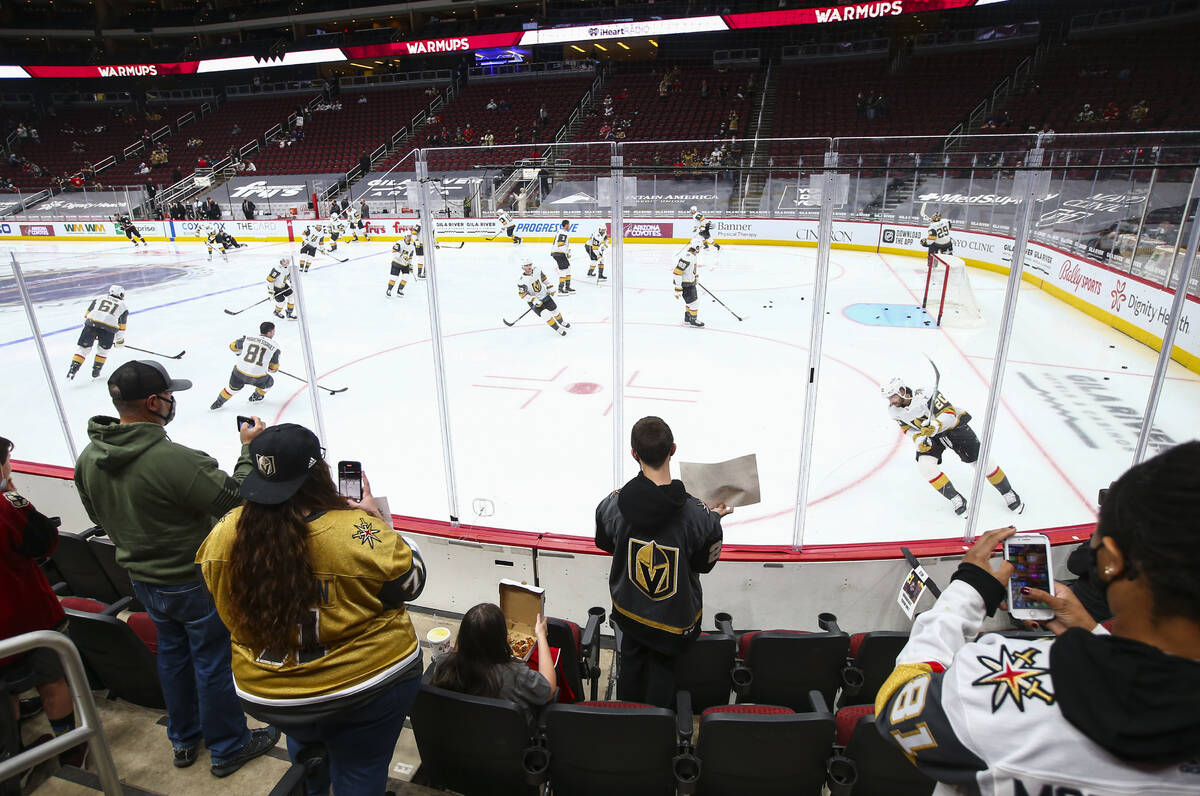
<point x="178" y="301"/>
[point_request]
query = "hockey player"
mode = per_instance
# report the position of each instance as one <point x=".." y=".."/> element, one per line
<point x="402" y="256"/>
<point x="937" y="237"/>
<point x="103" y="324"/>
<point x="702" y="228"/>
<point x="418" y="250"/>
<point x="279" y="286"/>
<point x="212" y="237"/>
<point x="314" y="239"/>
<point x="686" y="276"/>
<point x="935" y="425"/>
<point x="336" y="229"/>
<point x="355" y="220"/>
<point x="506" y="226"/>
<point x="533" y="289"/>
<point x="596" y="247"/>
<point x="124" y="225"/>
<point x="258" y="358"/>
<point x="561" y="252"/>
<point x="226" y="239"/>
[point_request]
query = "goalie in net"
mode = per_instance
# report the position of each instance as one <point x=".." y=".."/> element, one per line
<point x="948" y="295"/>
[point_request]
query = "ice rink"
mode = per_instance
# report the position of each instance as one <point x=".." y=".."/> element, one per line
<point x="530" y="413"/>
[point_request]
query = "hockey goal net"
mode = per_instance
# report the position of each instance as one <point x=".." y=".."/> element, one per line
<point x="948" y="295"/>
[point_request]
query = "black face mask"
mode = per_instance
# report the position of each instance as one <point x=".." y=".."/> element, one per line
<point x="169" y="416"/>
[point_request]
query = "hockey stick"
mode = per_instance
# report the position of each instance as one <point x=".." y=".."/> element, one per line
<point x="319" y="386"/>
<point x="923" y="205"/>
<point x="333" y="256"/>
<point x="155" y="353"/>
<point x="449" y="245"/>
<point x="519" y="317"/>
<point x="937" y="379"/>
<point x="722" y="303"/>
<point x="243" y="309"/>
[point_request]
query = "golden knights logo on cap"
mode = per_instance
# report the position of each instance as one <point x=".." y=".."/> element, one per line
<point x="653" y="568"/>
<point x="266" y="465"/>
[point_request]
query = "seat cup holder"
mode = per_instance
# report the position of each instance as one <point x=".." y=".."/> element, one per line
<point x="536" y="762"/>
<point x="687" y="772"/>
<point x="743" y="678"/>
<point x="852" y="680"/>
<point x="841" y="775"/>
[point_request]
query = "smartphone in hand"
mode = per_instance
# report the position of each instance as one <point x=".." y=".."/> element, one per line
<point x="243" y="420"/>
<point x="350" y="480"/>
<point x="1029" y="554"/>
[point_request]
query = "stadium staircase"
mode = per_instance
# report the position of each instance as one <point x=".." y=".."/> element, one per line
<point x="752" y="185"/>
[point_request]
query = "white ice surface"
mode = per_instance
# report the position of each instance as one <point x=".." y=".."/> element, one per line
<point x="531" y="413"/>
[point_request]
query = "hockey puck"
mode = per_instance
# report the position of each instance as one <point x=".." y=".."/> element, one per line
<point x="1124" y="367"/>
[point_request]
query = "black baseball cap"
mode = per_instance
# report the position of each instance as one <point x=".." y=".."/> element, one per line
<point x="142" y="378"/>
<point x="282" y="456"/>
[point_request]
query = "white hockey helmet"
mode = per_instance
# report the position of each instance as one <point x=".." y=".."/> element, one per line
<point x="525" y="261"/>
<point x="694" y="210"/>
<point x="285" y="261"/>
<point x="894" y="386"/>
<point x="116" y="291"/>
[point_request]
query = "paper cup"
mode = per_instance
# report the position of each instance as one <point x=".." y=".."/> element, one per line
<point x="439" y="640"/>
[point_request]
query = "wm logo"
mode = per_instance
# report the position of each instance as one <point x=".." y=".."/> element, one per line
<point x="653" y="568"/>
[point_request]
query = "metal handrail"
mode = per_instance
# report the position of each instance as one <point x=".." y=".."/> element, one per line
<point x="89" y="729"/>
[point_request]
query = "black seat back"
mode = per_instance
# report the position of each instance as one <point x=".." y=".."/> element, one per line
<point x="562" y="634"/>
<point x="121" y="660"/>
<point x="704" y="670"/>
<point x="600" y="749"/>
<point x="875" y="658"/>
<point x="786" y="666"/>
<point x="881" y="766"/>
<point x="80" y="570"/>
<point x="764" y="754"/>
<point x="472" y="745"/>
<point x="106" y="554"/>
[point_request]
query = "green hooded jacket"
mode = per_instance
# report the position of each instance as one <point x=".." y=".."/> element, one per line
<point x="156" y="499"/>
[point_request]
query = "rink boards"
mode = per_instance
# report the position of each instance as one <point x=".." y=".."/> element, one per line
<point x="1130" y="304"/>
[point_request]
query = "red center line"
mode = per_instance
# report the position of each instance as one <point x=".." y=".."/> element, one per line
<point x="1016" y="418"/>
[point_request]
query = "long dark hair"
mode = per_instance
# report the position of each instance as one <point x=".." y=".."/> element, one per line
<point x="482" y="647"/>
<point x="273" y="590"/>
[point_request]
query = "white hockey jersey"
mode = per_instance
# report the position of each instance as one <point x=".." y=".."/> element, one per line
<point x="351" y="214"/>
<point x="987" y="717"/>
<point x="598" y="239"/>
<point x="313" y="237"/>
<point x="938" y="232"/>
<point x="108" y="311"/>
<point x="533" y="287"/>
<point x="686" y="269"/>
<point x="404" y="250"/>
<point x="257" y="355"/>
<point x="916" y="416"/>
<point x="503" y="220"/>
<point x="562" y="242"/>
<point x="279" y="278"/>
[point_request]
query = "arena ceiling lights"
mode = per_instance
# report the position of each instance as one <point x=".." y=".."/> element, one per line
<point x="657" y="28"/>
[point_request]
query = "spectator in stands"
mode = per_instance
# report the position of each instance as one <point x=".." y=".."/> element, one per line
<point x="157" y="500"/>
<point x="202" y="162"/>
<point x="261" y="563"/>
<point x="1139" y="111"/>
<point x="1086" y="115"/>
<point x="176" y="174"/>
<point x="237" y="129"/>
<point x="482" y="663"/>
<point x="491" y="105"/>
<point x="151" y="189"/>
<point x="1093" y="711"/>
<point x="517" y="133"/>
<point x="362" y="99"/>
<point x="77" y="147"/>
<point x="543" y="115"/>
<point x="488" y="139"/>
<point x="250" y="166"/>
<point x="504" y="104"/>
<point x="33" y="136"/>
<point x="248" y="208"/>
<point x="1111" y="112"/>
<point x="652" y="523"/>
<point x="364" y="162"/>
<point x="22" y="132"/>
<point x="704" y="89"/>
<point x="143" y="168"/>
<point x="27" y="603"/>
<point x="194" y="142"/>
<point x="468" y="134"/>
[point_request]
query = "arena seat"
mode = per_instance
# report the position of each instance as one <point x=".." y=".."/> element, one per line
<point x="579" y="651"/>
<point x="879" y="765"/>
<point x="106" y="556"/>
<point x="705" y="669"/>
<point x="115" y="652"/>
<point x="471" y="745"/>
<point x="780" y="667"/>
<point x="872" y="657"/>
<point x="76" y="561"/>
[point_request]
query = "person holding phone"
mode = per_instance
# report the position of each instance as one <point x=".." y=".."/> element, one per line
<point x="313" y="588"/>
<point x="1085" y="712"/>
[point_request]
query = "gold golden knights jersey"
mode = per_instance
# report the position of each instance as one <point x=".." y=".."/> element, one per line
<point x="108" y="311"/>
<point x="257" y="355"/>
<point x="366" y="572"/>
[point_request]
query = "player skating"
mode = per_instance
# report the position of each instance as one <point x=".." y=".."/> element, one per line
<point x="935" y="426"/>
<point x="212" y="237"/>
<point x="354" y="219"/>
<point x="702" y="229"/>
<point x="258" y="358"/>
<point x="125" y="226"/>
<point x="279" y="286"/>
<point x="104" y="325"/>
<point x="314" y="239"/>
<point x="596" y="247"/>
<point x="419" y="250"/>
<point x="336" y="229"/>
<point x="506" y="226"/>
<point x="402" y="256"/>
<point x="534" y="290"/>
<point x="686" y="275"/>
<point x="937" y="236"/>
<point x="560" y="250"/>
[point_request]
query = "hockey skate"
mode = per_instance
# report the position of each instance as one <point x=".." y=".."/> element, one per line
<point x="71" y="373"/>
<point x="279" y="314"/>
<point x="561" y="331"/>
<point x="602" y="277"/>
<point x="256" y="397"/>
<point x="291" y="316"/>
<point x="217" y="404"/>
<point x="591" y="272"/>
<point x="95" y="373"/>
<point x="1015" y="504"/>
<point x="565" y="325"/>
<point x="960" y="505"/>
<point x="694" y="321"/>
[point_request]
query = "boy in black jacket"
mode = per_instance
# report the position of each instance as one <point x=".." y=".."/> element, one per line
<point x="661" y="540"/>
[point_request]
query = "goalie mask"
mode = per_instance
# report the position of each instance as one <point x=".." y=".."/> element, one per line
<point x="936" y="217"/>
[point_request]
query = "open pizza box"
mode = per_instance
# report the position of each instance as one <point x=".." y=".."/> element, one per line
<point x="521" y="604"/>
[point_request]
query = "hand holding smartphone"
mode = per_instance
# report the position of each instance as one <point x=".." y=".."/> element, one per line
<point x="350" y="484"/>
<point x="1029" y="553"/>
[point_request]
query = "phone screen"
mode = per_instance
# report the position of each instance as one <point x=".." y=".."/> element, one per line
<point x="1031" y="564"/>
<point x="350" y="480"/>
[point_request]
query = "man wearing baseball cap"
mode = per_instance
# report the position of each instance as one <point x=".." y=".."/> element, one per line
<point x="157" y="500"/>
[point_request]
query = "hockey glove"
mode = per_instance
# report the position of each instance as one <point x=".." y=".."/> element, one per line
<point x="536" y="304"/>
<point x="929" y="429"/>
<point x="924" y="446"/>
<point x="678" y="290"/>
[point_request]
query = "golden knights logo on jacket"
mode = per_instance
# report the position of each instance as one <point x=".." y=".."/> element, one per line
<point x="653" y="568"/>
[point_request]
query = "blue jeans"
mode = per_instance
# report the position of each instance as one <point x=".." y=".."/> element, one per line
<point x="359" y="745"/>
<point x="194" y="658"/>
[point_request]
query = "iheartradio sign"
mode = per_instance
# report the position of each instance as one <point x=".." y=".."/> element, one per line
<point x="646" y="229"/>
